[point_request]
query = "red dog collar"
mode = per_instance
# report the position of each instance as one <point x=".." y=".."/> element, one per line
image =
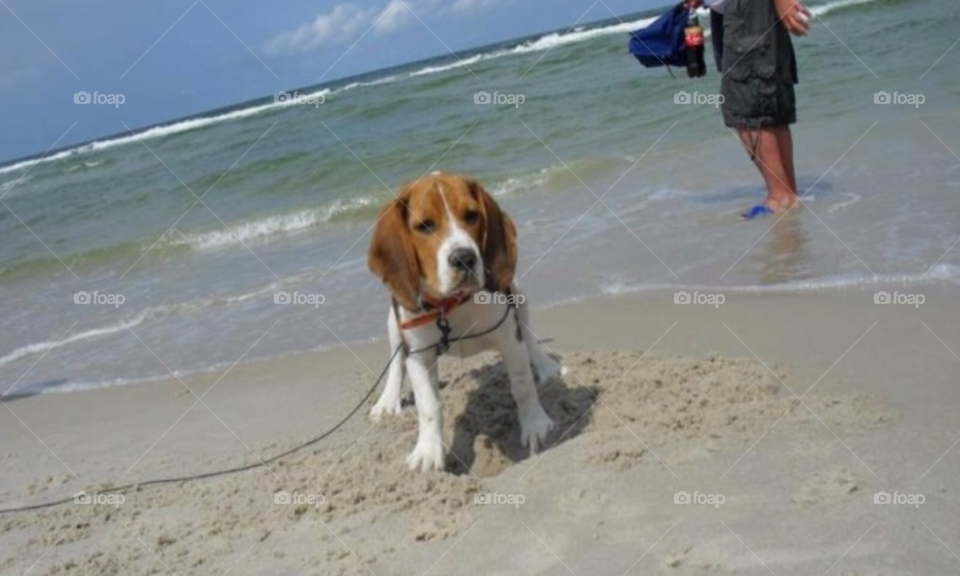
<point x="434" y="309"/>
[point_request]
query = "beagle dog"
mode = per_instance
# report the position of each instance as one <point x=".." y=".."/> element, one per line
<point x="441" y="248"/>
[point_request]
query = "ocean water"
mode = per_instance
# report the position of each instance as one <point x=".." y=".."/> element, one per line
<point x="289" y="193"/>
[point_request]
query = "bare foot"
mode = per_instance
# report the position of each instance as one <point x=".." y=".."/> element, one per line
<point x="781" y="203"/>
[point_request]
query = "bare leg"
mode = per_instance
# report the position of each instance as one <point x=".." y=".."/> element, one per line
<point x="785" y="139"/>
<point x="771" y="149"/>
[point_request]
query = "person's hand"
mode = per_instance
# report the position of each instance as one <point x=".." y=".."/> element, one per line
<point x="794" y="16"/>
<point x="690" y="4"/>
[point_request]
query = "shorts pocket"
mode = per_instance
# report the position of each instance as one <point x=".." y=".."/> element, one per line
<point x="749" y="83"/>
<point x="751" y="56"/>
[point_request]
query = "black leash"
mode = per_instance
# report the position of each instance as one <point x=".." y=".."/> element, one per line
<point x="228" y="471"/>
<point x="442" y="346"/>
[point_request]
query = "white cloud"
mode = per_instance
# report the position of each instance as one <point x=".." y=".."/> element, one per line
<point x="467" y="6"/>
<point x="394" y="17"/>
<point x="347" y="22"/>
<point x="339" y="25"/>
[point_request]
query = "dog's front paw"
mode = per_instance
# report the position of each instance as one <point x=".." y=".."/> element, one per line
<point x="549" y="370"/>
<point x="534" y="428"/>
<point x="427" y="456"/>
<point x="384" y="407"/>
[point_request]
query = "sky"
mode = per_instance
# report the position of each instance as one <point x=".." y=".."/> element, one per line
<point x="174" y="58"/>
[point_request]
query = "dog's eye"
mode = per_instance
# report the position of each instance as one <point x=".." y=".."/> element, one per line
<point x="471" y="216"/>
<point x="424" y="226"/>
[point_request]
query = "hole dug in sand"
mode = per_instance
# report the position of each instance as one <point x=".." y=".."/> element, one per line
<point x="709" y="401"/>
<point x="486" y="430"/>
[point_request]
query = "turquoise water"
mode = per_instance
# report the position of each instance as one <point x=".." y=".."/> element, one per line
<point x="289" y="193"/>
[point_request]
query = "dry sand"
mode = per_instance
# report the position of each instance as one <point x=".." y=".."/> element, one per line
<point x="695" y="414"/>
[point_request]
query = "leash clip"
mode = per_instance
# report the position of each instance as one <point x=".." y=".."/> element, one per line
<point x="443" y="345"/>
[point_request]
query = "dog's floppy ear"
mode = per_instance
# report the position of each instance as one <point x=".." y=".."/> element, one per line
<point x="392" y="258"/>
<point x="499" y="242"/>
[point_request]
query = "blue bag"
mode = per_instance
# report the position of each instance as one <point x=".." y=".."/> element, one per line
<point x="661" y="43"/>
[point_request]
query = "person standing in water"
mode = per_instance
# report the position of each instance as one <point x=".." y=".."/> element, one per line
<point x="759" y="70"/>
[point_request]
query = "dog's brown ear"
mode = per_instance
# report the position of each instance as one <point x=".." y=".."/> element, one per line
<point x="392" y="258"/>
<point x="499" y="241"/>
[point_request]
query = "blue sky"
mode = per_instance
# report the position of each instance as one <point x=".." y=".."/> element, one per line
<point x="174" y="58"/>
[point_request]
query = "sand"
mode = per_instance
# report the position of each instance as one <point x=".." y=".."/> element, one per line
<point x="638" y="422"/>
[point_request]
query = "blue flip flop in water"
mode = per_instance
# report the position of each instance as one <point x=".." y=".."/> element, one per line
<point x="756" y="210"/>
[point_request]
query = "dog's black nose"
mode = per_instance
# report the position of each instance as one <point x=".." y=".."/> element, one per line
<point x="463" y="259"/>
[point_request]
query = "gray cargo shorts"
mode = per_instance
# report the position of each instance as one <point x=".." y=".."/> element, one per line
<point x="759" y="66"/>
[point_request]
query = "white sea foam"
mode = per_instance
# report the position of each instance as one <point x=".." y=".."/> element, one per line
<point x="261" y="228"/>
<point x="453" y="65"/>
<point x="193" y="124"/>
<point x="853" y="199"/>
<point x="543" y="43"/>
<point x="157" y="132"/>
<point x="524" y="183"/>
<point x="146" y="315"/>
<point x="830" y="6"/>
<point x="553" y="40"/>
<point x="940" y="273"/>
<point x="386" y="80"/>
<point x="41" y="347"/>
